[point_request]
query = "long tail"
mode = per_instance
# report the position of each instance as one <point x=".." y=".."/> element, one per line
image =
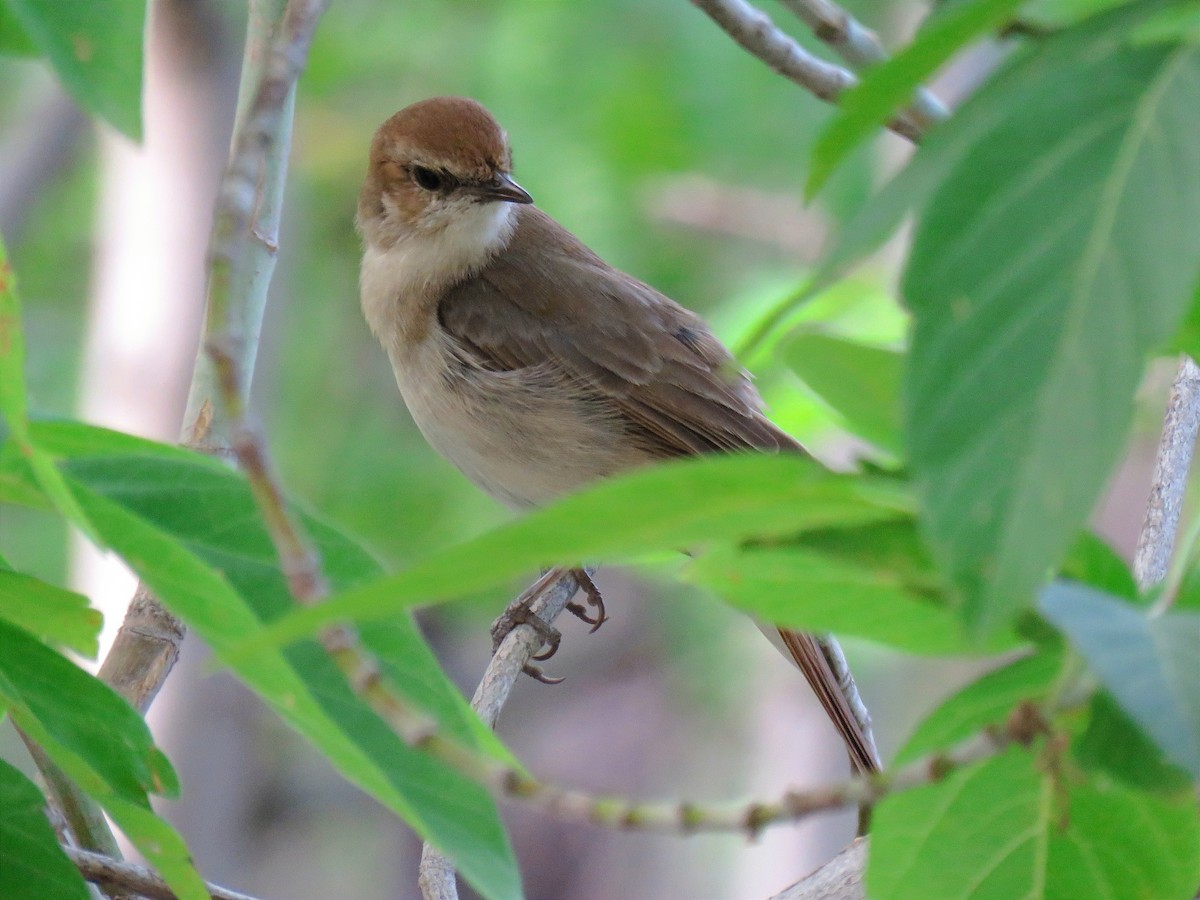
<point x="813" y="659"/>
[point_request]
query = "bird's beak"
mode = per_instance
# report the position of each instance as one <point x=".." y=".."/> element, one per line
<point x="502" y="187"/>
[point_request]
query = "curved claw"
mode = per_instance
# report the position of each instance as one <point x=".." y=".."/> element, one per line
<point x="536" y="673"/>
<point x="594" y="598"/>
<point x="551" y="646"/>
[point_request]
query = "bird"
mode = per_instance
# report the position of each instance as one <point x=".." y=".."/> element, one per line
<point x="527" y="361"/>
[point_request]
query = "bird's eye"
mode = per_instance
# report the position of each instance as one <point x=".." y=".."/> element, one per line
<point x="427" y="178"/>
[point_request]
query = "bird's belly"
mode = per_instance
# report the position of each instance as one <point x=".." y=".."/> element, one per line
<point x="523" y="436"/>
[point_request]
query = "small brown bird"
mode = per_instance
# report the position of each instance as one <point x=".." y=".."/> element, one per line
<point x="526" y="360"/>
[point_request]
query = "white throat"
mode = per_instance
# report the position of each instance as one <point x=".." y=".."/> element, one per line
<point x="393" y="281"/>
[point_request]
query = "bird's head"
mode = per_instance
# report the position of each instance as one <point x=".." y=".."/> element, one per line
<point x="440" y="164"/>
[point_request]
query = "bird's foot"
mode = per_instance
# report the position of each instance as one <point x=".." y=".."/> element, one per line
<point x="520" y="613"/>
<point x="595" y="601"/>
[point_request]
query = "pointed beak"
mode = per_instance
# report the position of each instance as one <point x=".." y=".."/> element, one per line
<point x="502" y="187"/>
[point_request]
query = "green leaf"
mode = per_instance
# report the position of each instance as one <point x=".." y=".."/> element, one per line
<point x="987" y="701"/>
<point x="101" y="743"/>
<point x="83" y="715"/>
<point x="1000" y="829"/>
<point x="1051" y="15"/>
<point x="672" y="506"/>
<point x="1115" y="745"/>
<point x="886" y="87"/>
<point x="1147" y="664"/>
<point x="1178" y="22"/>
<point x="871" y="582"/>
<point x="860" y="382"/>
<point x="96" y="49"/>
<point x="1060" y="251"/>
<point x="1123" y="843"/>
<point x="190" y="529"/>
<point x="1095" y="563"/>
<point x="14" y="404"/>
<point x="32" y="865"/>
<point x="52" y="613"/>
<point x="14" y="40"/>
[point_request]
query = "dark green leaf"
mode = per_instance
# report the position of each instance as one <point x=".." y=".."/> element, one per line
<point x="891" y="84"/>
<point x="190" y="529"/>
<point x="667" y="507"/>
<point x="101" y="743"/>
<point x="1001" y="829"/>
<point x="1115" y="745"/>
<point x="52" y="613"/>
<point x="1060" y="251"/>
<point x="32" y="865"/>
<point x="987" y="701"/>
<point x="860" y="382"/>
<point x="82" y="714"/>
<point x="1148" y="664"/>
<point x="96" y="48"/>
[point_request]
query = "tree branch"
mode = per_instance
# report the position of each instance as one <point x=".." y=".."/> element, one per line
<point x="861" y="48"/>
<point x="115" y="874"/>
<point x="1171" y="466"/>
<point x="758" y="35"/>
<point x="436" y="874"/>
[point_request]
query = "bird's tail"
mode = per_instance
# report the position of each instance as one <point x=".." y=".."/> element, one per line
<point x="820" y="659"/>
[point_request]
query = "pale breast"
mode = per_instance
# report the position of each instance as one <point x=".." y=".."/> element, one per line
<point x="523" y="436"/>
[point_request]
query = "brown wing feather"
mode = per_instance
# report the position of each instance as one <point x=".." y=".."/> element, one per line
<point x="656" y="363"/>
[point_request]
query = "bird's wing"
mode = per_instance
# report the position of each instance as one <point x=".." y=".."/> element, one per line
<point x="549" y="301"/>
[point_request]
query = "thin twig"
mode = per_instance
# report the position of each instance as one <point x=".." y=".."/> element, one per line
<point x="861" y="48"/>
<point x="436" y="873"/>
<point x="757" y="34"/>
<point x="115" y="874"/>
<point x="1157" y="537"/>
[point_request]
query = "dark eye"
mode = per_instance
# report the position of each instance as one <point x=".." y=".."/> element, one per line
<point x="427" y="178"/>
